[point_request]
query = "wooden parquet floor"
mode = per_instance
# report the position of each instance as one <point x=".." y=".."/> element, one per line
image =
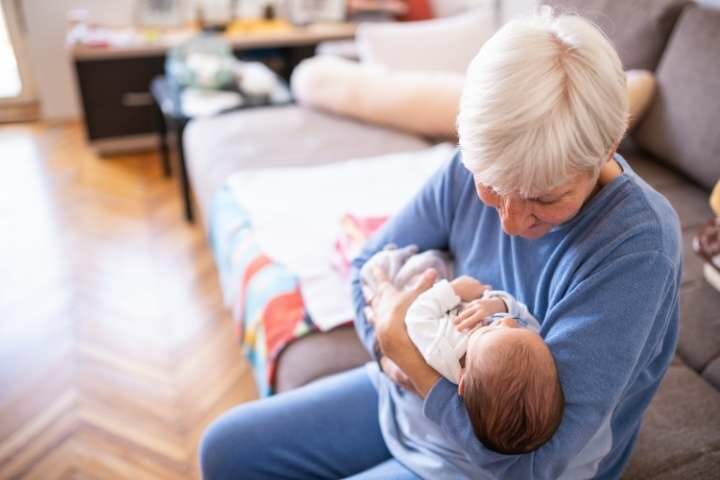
<point x="115" y="349"/>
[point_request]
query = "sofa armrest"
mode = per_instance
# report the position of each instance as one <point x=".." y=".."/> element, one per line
<point x="422" y="103"/>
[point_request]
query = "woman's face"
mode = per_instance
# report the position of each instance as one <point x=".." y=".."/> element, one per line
<point x="534" y="217"/>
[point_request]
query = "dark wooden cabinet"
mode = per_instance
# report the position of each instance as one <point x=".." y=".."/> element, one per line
<point x="114" y="82"/>
<point x="116" y="96"/>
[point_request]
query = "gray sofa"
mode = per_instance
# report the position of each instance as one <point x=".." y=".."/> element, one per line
<point x="675" y="147"/>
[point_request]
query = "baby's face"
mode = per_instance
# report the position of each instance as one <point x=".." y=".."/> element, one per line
<point x="485" y="339"/>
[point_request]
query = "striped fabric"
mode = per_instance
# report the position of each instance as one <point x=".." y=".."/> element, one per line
<point x="264" y="296"/>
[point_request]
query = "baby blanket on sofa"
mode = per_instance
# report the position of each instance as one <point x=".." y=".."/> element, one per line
<point x="296" y="215"/>
<point x="273" y="235"/>
<point x="264" y="296"/>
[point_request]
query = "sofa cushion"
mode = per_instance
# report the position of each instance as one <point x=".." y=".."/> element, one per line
<point x="690" y="203"/>
<point x="681" y="424"/>
<point x="648" y="167"/>
<point x="712" y="373"/>
<point x="681" y="126"/>
<point x="692" y="262"/>
<point x="699" y="340"/>
<point x="638" y="29"/>
<point x="317" y="355"/>
<point x="704" y="467"/>
<point x="217" y="146"/>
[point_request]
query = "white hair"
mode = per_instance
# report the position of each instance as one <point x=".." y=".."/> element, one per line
<point x="544" y="99"/>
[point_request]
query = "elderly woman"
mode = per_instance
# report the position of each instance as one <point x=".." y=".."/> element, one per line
<point x="536" y="203"/>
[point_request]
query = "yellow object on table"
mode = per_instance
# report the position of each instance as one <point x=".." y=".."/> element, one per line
<point x="240" y="27"/>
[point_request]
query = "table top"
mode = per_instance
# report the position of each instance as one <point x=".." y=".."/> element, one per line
<point x="137" y="45"/>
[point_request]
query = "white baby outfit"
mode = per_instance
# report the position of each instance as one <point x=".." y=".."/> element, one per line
<point x="429" y="323"/>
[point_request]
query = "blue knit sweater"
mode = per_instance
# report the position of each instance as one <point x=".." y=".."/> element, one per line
<point x="604" y="286"/>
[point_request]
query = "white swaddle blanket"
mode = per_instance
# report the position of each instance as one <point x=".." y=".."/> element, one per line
<point x="296" y="213"/>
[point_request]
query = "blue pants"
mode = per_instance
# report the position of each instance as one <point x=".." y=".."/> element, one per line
<point x="327" y="429"/>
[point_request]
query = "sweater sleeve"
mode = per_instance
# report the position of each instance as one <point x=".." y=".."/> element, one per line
<point x="516" y="308"/>
<point x="603" y="332"/>
<point x="425" y="221"/>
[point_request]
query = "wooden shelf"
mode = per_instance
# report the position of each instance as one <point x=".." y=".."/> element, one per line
<point x="240" y="38"/>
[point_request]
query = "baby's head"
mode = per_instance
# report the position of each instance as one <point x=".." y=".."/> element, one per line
<point x="511" y="388"/>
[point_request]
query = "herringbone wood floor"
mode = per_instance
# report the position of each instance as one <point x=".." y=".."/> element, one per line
<point x="115" y="350"/>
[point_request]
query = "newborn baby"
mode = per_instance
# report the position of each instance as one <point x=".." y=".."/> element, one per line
<point x="485" y="341"/>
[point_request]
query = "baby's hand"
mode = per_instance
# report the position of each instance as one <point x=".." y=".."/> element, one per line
<point x="477" y="311"/>
<point x="468" y="288"/>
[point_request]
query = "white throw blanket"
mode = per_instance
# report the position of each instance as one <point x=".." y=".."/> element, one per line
<point x="296" y="215"/>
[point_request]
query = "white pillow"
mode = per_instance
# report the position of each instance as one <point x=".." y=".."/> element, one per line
<point x="423" y="103"/>
<point x="443" y="44"/>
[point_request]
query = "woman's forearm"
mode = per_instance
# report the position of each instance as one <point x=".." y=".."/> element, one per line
<point x="407" y="357"/>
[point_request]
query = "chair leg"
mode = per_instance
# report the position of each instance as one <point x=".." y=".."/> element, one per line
<point x="164" y="148"/>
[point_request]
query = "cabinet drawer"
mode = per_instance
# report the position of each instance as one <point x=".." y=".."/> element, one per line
<point x="116" y="96"/>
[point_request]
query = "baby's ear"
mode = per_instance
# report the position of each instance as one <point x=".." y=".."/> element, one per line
<point x="461" y="385"/>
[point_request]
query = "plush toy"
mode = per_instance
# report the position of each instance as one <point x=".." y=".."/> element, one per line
<point x="641" y="89"/>
<point x="715" y="199"/>
<point x="707" y="241"/>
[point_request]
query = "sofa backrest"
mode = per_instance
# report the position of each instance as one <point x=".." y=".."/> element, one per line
<point x="682" y="125"/>
<point x="639" y="29"/>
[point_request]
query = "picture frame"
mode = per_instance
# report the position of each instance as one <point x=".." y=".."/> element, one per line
<point x="160" y="13"/>
<point x="303" y="12"/>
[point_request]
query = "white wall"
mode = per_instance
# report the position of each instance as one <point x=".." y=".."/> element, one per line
<point x="511" y="8"/>
<point x="46" y="22"/>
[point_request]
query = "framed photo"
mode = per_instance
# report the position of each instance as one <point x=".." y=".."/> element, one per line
<point x="159" y="13"/>
<point x="303" y="12"/>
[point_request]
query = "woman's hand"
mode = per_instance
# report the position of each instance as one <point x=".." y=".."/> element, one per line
<point x="388" y="308"/>
<point x="393" y="372"/>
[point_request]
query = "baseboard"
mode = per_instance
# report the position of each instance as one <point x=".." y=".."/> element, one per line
<point x="19" y="113"/>
<point x="134" y="143"/>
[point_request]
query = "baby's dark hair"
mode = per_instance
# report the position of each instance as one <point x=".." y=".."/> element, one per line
<point x="514" y="399"/>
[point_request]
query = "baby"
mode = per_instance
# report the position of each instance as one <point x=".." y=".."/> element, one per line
<point x="486" y="342"/>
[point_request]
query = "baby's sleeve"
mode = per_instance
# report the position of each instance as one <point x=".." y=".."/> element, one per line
<point x="427" y="324"/>
<point x="516" y="309"/>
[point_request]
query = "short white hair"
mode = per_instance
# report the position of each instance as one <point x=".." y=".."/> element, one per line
<point x="544" y="99"/>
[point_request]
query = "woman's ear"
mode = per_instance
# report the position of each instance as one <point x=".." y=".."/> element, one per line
<point x="461" y="385"/>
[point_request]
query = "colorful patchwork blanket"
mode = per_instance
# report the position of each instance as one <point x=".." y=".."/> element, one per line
<point x="263" y="295"/>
